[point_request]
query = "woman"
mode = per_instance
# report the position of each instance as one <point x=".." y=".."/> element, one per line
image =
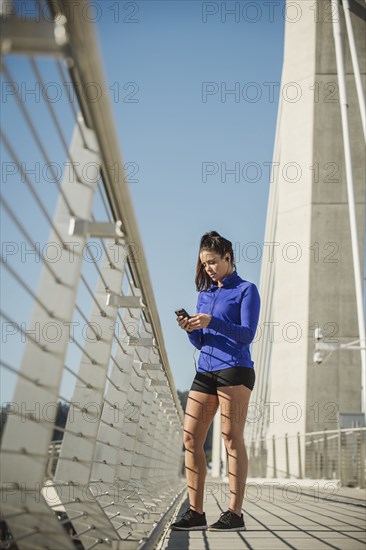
<point x="222" y="329"/>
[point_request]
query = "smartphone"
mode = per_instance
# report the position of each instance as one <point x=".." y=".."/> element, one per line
<point x="183" y="312"/>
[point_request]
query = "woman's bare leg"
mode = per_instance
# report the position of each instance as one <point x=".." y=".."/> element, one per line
<point x="234" y="401"/>
<point x="200" y="411"/>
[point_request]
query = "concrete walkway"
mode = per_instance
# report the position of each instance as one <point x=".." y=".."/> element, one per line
<point x="279" y="514"/>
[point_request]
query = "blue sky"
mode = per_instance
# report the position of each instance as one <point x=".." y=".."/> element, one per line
<point x="185" y="136"/>
<point x="194" y="97"/>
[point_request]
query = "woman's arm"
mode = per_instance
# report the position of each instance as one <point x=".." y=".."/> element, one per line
<point x="249" y="315"/>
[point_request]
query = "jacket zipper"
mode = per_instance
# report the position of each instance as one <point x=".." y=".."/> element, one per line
<point x="215" y="299"/>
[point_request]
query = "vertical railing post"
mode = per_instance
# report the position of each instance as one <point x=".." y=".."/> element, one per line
<point x="224" y="461"/>
<point x="339" y="441"/>
<point x="252" y="472"/>
<point x="312" y="457"/>
<point x="125" y="377"/>
<point x="263" y="459"/>
<point x="274" y="456"/>
<point x="87" y="456"/>
<point x="142" y="452"/>
<point x="216" y="445"/>
<point x="299" y="454"/>
<point x="135" y="394"/>
<point x="287" y="456"/>
<point x="361" y="458"/>
<point x="326" y="455"/>
<point x="160" y="448"/>
<point x="149" y="480"/>
<point x="343" y="473"/>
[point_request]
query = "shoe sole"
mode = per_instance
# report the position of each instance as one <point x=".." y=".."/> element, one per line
<point x="225" y="530"/>
<point x="196" y="528"/>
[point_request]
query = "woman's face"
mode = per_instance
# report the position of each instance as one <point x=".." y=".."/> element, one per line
<point x="217" y="268"/>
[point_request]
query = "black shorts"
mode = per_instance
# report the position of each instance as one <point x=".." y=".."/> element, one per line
<point x="208" y="382"/>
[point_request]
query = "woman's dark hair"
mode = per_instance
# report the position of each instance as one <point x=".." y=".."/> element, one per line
<point x="212" y="242"/>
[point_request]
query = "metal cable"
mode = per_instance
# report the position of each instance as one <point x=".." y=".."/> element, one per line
<point x="31" y="188"/>
<point x="35" y="136"/>
<point x="26" y="287"/>
<point x="9" y="320"/>
<point x="63" y="80"/>
<point x="27" y="238"/>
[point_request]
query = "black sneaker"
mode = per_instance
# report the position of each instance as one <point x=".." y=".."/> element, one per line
<point x="190" y="521"/>
<point x="228" y="521"/>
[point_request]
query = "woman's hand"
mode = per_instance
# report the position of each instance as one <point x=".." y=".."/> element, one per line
<point x="184" y="323"/>
<point x="199" y="320"/>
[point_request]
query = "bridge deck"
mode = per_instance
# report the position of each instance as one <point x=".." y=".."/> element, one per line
<point x="288" y="516"/>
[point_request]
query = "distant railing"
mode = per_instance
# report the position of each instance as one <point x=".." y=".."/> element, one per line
<point x="80" y="326"/>
<point x="328" y="454"/>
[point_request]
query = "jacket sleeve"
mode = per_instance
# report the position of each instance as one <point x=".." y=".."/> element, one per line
<point x="249" y="315"/>
<point x="196" y="336"/>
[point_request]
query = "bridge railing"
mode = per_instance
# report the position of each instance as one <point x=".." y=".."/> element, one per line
<point x="92" y="423"/>
<point x="327" y="454"/>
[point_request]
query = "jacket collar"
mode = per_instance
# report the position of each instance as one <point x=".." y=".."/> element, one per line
<point x="226" y="281"/>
